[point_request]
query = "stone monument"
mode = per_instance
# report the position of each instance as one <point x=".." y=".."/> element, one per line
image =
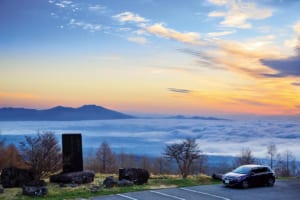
<point x="72" y="162"/>
<point x="72" y="153"/>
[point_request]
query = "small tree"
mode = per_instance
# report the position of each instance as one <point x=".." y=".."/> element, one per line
<point x="107" y="159"/>
<point x="245" y="157"/>
<point x="272" y="150"/>
<point x="13" y="158"/>
<point x="184" y="154"/>
<point x="42" y="153"/>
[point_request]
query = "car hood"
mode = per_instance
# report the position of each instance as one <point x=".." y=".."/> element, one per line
<point x="232" y="174"/>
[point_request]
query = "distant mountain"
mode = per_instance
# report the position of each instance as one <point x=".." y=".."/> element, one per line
<point x="194" y="117"/>
<point x="60" y="113"/>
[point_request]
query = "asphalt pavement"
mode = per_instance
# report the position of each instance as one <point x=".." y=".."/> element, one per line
<point x="282" y="190"/>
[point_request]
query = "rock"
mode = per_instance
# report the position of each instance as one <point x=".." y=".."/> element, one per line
<point x="81" y="177"/>
<point x="1" y="189"/>
<point x="136" y="175"/>
<point x="34" y="190"/>
<point x="124" y="183"/>
<point x="110" y="182"/>
<point x="95" y="188"/>
<point x="16" y="177"/>
<point x="217" y="176"/>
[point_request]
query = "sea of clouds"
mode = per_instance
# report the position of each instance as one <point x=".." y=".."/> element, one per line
<point x="150" y="136"/>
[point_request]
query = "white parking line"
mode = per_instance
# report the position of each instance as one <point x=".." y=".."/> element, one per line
<point x="126" y="197"/>
<point x="204" y="193"/>
<point x="167" y="195"/>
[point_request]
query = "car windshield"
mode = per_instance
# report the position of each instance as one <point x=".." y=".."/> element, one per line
<point x="242" y="170"/>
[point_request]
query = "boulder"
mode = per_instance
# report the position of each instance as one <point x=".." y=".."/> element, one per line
<point x="110" y="182"/>
<point x="34" y="190"/>
<point x="81" y="177"/>
<point x="136" y="175"/>
<point x="95" y="188"/>
<point x="217" y="176"/>
<point x="124" y="183"/>
<point x="16" y="177"/>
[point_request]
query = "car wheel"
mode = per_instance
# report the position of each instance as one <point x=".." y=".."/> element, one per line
<point x="245" y="184"/>
<point x="271" y="182"/>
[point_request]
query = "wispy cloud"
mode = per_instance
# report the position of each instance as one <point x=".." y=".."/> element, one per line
<point x="238" y="13"/>
<point x="177" y="90"/>
<point x="139" y="40"/>
<point x="221" y="33"/>
<point x="251" y="102"/>
<point x="97" y="8"/>
<point x="85" y="26"/>
<point x="160" y="30"/>
<point x="296" y="83"/>
<point x="129" y="17"/>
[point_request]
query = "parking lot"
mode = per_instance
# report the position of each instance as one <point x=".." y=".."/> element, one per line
<point x="287" y="190"/>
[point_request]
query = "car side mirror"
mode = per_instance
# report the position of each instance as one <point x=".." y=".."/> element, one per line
<point x="252" y="173"/>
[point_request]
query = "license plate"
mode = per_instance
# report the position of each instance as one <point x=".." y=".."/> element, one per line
<point x="227" y="181"/>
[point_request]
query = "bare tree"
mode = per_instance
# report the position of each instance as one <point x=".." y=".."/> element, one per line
<point x="42" y="153"/>
<point x="245" y="157"/>
<point x="272" y="150"/>
<point x="161" y="166"/>
<point x="288" y="156"/>
<point x="184" y="153"/>
<point x="107" y="159"/>
<point x="285" y="164"/>
<point x="126" y="160"/>
<point x="145" y="163"/>
<point x="200" y="165"/>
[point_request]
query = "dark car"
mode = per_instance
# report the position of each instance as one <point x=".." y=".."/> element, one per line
<point x="249" y="175"/>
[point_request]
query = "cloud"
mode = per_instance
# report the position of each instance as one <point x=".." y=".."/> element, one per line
<point x="129" y="17"/>
<point x="85" y="26"/>
<point x="160" y="30"/>
<point x="286" y="67"/>
<point x="238" y="13"/>
<point x="296" y="83"/>
<point x="177" y="90"/>
<point x="251" y="102"/>
<point x="139" y="40"/>
<point x="296" y="28"/>
<point x="61" y="4"/>
<point x="219" y="34"/>
<point x="218" y="2"/>
<point x="97" y="8"/>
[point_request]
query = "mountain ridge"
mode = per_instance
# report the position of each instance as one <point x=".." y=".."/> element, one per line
<point x="61" y="113"/>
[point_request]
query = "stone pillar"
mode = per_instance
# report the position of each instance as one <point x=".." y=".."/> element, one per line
<point x="72" y="152"/>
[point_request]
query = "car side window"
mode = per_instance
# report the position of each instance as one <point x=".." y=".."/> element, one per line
<point x="256" y="171"/>
<point x="265" y="169"/>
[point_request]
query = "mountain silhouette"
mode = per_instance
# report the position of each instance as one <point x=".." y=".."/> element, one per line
<point x="60" y="113"/>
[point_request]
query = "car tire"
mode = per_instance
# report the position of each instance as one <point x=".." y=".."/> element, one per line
<point x="245" y="184"/>
<point x="271" y="182"/>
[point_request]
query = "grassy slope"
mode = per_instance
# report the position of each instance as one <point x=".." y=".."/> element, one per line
<point x="83" y="191"/>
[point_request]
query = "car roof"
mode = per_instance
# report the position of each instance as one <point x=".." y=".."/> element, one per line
<point x="254" y="166"/>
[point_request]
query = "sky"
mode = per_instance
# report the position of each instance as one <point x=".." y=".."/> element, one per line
<point x="212" y="57"/>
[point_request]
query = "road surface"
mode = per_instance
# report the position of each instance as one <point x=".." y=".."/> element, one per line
<point x="282" y="190"/>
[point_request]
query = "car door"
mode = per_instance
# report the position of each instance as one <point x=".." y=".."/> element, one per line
<point x="265" y="174"/>
<point x="255" y="177"/>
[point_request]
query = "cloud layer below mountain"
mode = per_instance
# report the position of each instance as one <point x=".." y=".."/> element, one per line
<point x="150" y="136"/>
